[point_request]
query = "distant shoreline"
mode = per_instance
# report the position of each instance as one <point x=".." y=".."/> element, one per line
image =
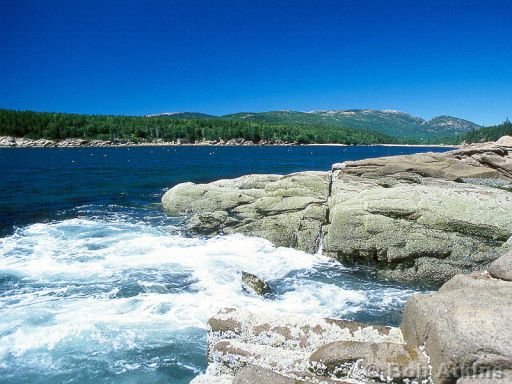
<point x="391" y="145"/>
<point x="11" y="142"/>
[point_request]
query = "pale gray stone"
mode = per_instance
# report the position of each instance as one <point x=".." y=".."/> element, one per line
<point x="502" y="267"/>
<point x="366" y="360"/>
<point x="463" y="330"/>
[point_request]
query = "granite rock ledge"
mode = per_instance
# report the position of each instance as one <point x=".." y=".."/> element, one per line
<point x="415" y="218"/>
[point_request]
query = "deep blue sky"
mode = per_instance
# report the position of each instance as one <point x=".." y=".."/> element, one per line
<point x="138" y="57"/>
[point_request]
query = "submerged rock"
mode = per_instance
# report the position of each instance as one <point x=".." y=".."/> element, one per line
<point x="254" y="283"/>
<point x="417" y="218"/>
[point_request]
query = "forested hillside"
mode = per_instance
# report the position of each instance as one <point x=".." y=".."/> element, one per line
<point x="57" y="126"/>
<point x="388" y="122"/>
<point x="492" y="133"/>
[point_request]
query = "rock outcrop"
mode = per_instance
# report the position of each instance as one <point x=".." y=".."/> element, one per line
<point x="287" y="210"/>
<point x="460" y="334"/>
<point x="464" y="329"/>
<point x="427" y="217"/>
<point x="247" y="347"/>
<point x="423" y="218"/>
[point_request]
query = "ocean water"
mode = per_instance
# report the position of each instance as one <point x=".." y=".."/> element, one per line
<point x="98" y="285"/>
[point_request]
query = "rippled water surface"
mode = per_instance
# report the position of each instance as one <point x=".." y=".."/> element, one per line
<point x="97" y="285"/>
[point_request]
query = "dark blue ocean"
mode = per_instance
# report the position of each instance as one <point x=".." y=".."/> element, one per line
<point x="97" y="285"/>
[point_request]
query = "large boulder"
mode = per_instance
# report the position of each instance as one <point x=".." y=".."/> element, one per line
<point x="465" y="331"/>
<point x="476" y="280"/>
<point x="505" y="141"/>
<point x="502" y="267"/>
<point x="287" y="210"/>
<point x="373" y="361"/>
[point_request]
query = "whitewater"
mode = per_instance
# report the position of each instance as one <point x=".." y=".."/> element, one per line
<point x="108" y="289"/>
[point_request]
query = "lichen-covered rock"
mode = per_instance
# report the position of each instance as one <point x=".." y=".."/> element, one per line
<point x="502" y="267"/>
<point x="416" y="218"/>
<point x="287" y="210"/>
<point x="465" y="331"/>
<point x="254" y="283"/>
<point x="424" y="232"/>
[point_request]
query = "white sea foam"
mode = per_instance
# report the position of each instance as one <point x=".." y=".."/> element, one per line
<point x="98" y="286"/>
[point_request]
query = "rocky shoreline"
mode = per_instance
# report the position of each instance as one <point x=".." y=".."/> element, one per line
<point x="20" y="142"/>
<point x="458" y="335"/>
<point x="417" y="218"/>
<point x="436" y="218"/>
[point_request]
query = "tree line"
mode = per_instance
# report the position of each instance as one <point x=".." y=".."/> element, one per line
<point x="58" y="126"/>
<point x="491" y="133"/>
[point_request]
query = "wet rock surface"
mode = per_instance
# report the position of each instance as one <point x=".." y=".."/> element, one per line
<point x="370" y="360"/>
<point x="460" y="334"/>
<point x="248" y="346"/>
<point x="252" y="374"/>
<point x="254" y="284"/>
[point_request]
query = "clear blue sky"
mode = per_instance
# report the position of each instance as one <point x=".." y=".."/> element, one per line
<point x="138" y="57"/>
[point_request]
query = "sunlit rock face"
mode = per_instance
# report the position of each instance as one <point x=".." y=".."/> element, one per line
<point x="416" y="218"/>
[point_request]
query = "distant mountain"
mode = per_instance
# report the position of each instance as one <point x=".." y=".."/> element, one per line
<point x="389" y="122"/>
<point x="184" y="115"/>
<point x="448" y="125"/>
